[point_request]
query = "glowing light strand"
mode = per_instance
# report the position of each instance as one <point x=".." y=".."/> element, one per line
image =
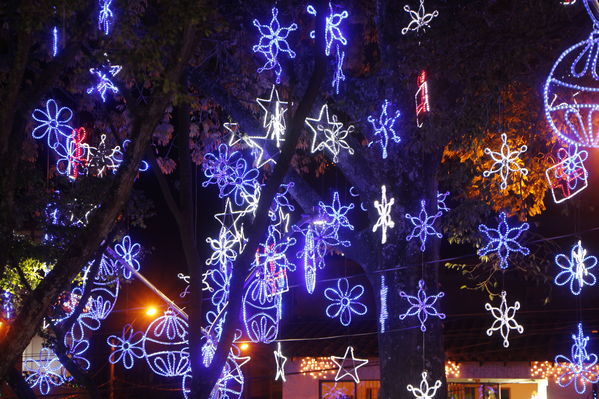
<point x="384" y="128"/>
<point x="352" y="370"/>
<point x="580" y="367"/>
<point x="345" y="301"/>
<point x="419" y="19"/>
<point x="384" y="210"/>
<point x="575" y="270"/>
<point x="423" y="225"/>
<point x="384" y="313"/>
<point x="504" y="319"/>
<point x="502" y="240"/>
<point x="422" y="306"/>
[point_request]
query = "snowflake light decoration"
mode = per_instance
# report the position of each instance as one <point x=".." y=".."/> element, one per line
<point x="53" y="123"/>
<point x="336" y="214"/>
<point x="223" y="250"/>
<point x="384" y="313"/>
<point x="352" y="369"/>
<point x="104" y="82"/>
<point x="273" y="40"/>
<point x="569" y="176"/>
<point x="384" y="128"/>
<point x="441" y="198"/>
<point x="127" y="347"/>
<point x="425" y="391"/>
<point x="45" y="372"/>
<point x="422" y="305"/>
<point x="502" y="240"/>
<point x="420" y="19"/>
<point x="129" y="251"/>
<point x="333" y="132"/>
<point x="504" y="319"/>
<point x="423" y="225"/>
<point x="242" y="182"/>
<point x="505" y="161"/>
<point x="576" y="269"/>
<point x="274" y="116"/>
<point x="580" y="367"/>
<point x="105" y="16"/>
<point x="345" y="301"/>
<point x="280" y="360"/>
<point x="333" y="32"/>
<point x="217" y="167"/>
<point x="384" y="210"/>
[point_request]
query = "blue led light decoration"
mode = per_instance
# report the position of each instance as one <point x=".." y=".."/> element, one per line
<point x="166" y="345"/>
<point x="575" y="270"/>
<point x="384" y="313"/>
<point x="127" y="347"/>
<point x="441" y="198"/>
<point x="502" y="240"/>
<point x="273" y="40"/>
<point x="129" y="251"/>
<point x="570" y="93"/>
<point x="328" y="133"/>
<point x="44" y="372"/>
<point x="579" y="368"/>
<point x="53" y="124"/>
<point x="384" y="128"/>
<point x="104" y="82"/>
<point x="222" y="248"/>
<point x="345" y="301"/>
<point x="338" y="75"/>
<point x="336" y="214"/>
<point x="422" y="306"/>
<point x="105" y="16"/>
<point x="423" y="225"/>
<point x="242" y="182"/>
<point x="217" y="167"/>
<point x="54" y="41"/>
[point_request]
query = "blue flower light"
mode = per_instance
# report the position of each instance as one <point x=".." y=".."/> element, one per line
<point x="336" y="214"/>
<point x="422" y="306"/>
<point x="241" y="183"/>
<point x="333" y="31"/>
<point x="345" y="301"/>
<point x="129" y="251"/>
<point x="580" y="367"/>
<point x="423" y="225"/>
<point x="576" y="269"/>
<point x="45" y="372"/>
<point x="53" y="123"/>
<point x="502" y="240"/>
<point x="384" y="128"/>
<point x="127" y="347"/>
<point x="273" y="40"/>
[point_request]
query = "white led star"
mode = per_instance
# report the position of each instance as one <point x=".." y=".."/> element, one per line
<point x="333" y="132"/>
<point x="504" y="319"/>
<point x="230" y="220"/>
<point x="505" y="161"/>
<point x="280" y="360"/>
<point x="425" y="391"/>
<point x="384" y="209"/>
<point x="420" y="19"/>
<point x="237" y="136"/>
<point x="274" y="116"/>
<point x="351" y="371"/>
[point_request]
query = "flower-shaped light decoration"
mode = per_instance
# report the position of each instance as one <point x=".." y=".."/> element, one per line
<point x="274" y="254"/>
<point x="127" y="347"/>
<point x="171" y="325"/>
<point x="504" y="319"/>
<point x="423" y="225"/>
<point x="384" y="210"/>
<point x="242" y="182"/>
<point x="53" y="124"/>
<point x="336" y="214"/>
<point x="505" y="161"/>
<point x="576" y="269"/>
<point x="129" y="251"/>
<point x="45" y="372"/>
<point x="76" y="350"/>
<point x="218" y="167"/>
<point x="425" y="391"/>
<point x="420" y="18"/>
<point x="580" y="367"/>
<point x="502" y="240"/>
<point x="273" y="40"/>
<point x="345" y="301"/>
<point x="222" y="248"/>
<point x="422" y="306"/>
<point x="384" y="128"/>
<point x="220" y="283"/>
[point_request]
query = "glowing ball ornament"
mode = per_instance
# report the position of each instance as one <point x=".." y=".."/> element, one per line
<point x="166" y="345"/>
<point x="571" y="90"/>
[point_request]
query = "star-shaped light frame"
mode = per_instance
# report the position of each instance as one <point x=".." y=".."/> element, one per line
<point x="352" y="371"/>
<point x="280" y="360"/>
<point x="333" y="132"/>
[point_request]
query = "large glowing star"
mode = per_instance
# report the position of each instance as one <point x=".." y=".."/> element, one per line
<point x="328" y="133"/>
<point x="280" y="360"/>
<point x="348" y="365"/>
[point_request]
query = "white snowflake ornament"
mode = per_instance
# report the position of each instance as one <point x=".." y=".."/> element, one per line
<point x="384" y="209"/>
<point x="425" y="391"/>
<point x="505" y="161"/>
<point x="504" y="319"/>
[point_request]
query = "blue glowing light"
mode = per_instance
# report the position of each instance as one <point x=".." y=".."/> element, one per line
<point x="53" y="124"/>
<point x="332" y="27"/>
<point x="345" y="301"/>
<point x="422" y="306"/>
<point x="569" y="176"/>
<point x="580" y="367"/>
<point x="165" y="345"/>
<point x="441" y="198"/>
<point x="241" y="183"/>
<point x="335" y="214"/>
<point x="575" y="270"/>
<point x="273" y="40"/>
<point x="104" y="82"/>
<point x="384" y="128"/>
<point x="127" y="347"/>
<point x="105" y="16"/>
<point x="261" y="309"/>
<point x="54" y="41"/>
<point x="274" y="254"/>
<point x="217" y="167"/>
<point x="309" y="256"/>
<point x="129" y="251"/>
<point x="383" y="314"/>
<point x="502" y="240"/>
<point x="338" y="76"/>
<point x="423" y="225"/>
<point x="44" y="372"/>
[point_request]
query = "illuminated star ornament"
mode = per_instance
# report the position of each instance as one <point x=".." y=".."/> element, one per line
<point x="425" y="391"/>
<point x="504" y="319"/>
<point x="505" y="161"/>
<point x="333" y="132"/>
<point x="280" y="361"/>
<point x="384" y="128"/>
<point x="274" y="116"/>
<point x="576" y="269"/>
<point x="104" y="82"/>
<point x="384" y="209"/>
<point x="345" y="301"/>
<point x="237" y="136"/>
<point x="105" y="16"/>
<point x="422" y="305"/>
<point x="423" y="225"/>
<point x="348" y="367"/>
<point x="273" y="40"/>
<point x="502" y="240"/>
<point x="420" y="19"/>
<point x="580" y="367"/>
